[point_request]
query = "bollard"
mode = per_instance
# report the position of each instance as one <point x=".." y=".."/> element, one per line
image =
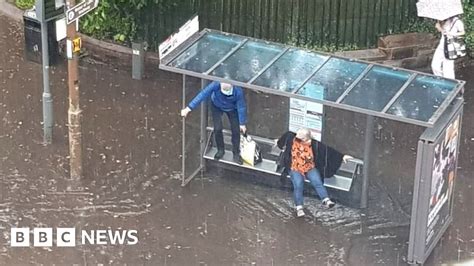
<point x="138" y="60"/>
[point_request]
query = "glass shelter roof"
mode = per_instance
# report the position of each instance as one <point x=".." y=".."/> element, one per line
<point x="358" y="86"/>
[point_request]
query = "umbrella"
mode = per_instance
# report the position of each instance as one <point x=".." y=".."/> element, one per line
<point x="439" y="9"/>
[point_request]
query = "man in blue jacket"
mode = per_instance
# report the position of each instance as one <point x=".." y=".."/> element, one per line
<point x="227" y="99"/>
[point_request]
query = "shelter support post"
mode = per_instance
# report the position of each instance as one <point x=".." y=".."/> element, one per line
<point x="367" y="161"/>
<point x="204" y="113"/>
<point x="183" y="137"/>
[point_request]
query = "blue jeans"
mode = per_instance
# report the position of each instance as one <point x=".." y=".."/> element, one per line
<point x="298" y="184"/>
<point x="234" y="126"/>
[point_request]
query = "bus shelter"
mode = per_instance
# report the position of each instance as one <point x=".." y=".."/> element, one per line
<point x="370" y="89"/>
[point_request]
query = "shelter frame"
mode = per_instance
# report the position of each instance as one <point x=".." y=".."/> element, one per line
<point x="425" y="232"/>
<point x="439" y="120"/>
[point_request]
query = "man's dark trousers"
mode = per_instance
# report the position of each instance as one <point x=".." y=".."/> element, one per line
<point x="234" y="125"/>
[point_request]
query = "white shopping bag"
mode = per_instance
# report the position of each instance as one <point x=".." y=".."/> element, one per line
<point x="247" y="149"/>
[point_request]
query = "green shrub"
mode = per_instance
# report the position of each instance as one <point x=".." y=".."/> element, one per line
<point x="468" y="19"/>
<point x="110" y="20"/>
<point x="117" y="19"/>
<point x="421" y="25"/>
<point x="25" y="4"/>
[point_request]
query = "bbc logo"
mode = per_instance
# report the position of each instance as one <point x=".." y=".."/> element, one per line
<point x="43" y="237"/>
<point x="66" y="237"/>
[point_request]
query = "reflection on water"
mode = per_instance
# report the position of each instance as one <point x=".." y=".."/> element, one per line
<point x="206" y="52"/>
<point x="376" y="89"/>
<point x="252" y="54"/>
<point x="290" y="70"/>
<point x="332" y="79"/>
<point x="430" y="92"/>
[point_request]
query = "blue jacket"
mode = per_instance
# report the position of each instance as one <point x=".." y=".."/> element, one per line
<point x="221" y="101"/>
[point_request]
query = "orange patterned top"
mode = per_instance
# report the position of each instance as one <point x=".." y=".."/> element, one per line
<point x="302" y="159"/>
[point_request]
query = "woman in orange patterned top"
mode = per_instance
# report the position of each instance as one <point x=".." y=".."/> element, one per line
<point x="305" y="157"/>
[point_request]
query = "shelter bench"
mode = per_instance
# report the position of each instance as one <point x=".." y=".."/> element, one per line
<point x="344" y="185"/>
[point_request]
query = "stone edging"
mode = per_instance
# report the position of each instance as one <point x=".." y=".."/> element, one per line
<point x="11" y="10"/>
<point x="114" y="51"/>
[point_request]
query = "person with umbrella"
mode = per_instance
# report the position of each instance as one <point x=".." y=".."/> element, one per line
<point x="451" y="27"/>
<point x="446" y="12"/>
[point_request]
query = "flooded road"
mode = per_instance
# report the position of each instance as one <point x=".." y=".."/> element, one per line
<point x="132" y="164"/>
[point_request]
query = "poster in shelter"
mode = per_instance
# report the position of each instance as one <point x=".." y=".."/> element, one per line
<point x="442" y="179"/>
<point x="306" y="114"/>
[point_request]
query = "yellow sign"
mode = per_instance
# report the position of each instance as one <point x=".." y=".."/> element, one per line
<point x="76" y="45"/>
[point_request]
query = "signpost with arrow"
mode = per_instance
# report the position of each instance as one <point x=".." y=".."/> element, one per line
<point x="79" y="10"/>
<point x="49" y="10"/>
<point x="73" y="13"/>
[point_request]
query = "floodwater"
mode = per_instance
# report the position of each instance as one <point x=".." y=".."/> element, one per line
<point x="132" y="163"/>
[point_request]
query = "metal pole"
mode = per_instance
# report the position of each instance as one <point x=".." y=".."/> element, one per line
<point x="367" y="152"/>
<point x="47" y="98"/>
<point x="183" y="137"/>
<point x="204" y="113"/>
<point x="74" y="112"/>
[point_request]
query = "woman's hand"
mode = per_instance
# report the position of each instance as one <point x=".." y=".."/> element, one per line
<point x="275" y="143"/>
<point x="439" y="28"/>
<point x="346" y="158"/>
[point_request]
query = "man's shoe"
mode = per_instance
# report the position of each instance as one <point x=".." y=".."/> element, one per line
<point x="237" y="159"/>
<point x="219" y="154"/>
<point x="328" y="203"/>
<point x="299" y="211"/>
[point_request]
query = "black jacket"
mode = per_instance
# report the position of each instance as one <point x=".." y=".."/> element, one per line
<point x="327" y="159"/>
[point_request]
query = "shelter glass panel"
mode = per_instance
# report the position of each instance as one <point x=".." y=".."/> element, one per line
<point x="206" y="52"/>
<point x="422" y="97"/>
<point x="332" y="79"/>
<point x="247" y="61"/>
<point x="360" y="87"/>
<point x="376" y="89"/>
<point x="192" y="131"/>
<point x="290" y="70"/>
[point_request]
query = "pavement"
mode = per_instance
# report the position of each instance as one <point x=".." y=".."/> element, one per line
<point x="132" y="163"/>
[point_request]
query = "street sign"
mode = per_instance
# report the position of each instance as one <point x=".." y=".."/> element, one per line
<point x="47" y="10"/>
<point x="177" y="38"/>
<point x="79" y="10"/>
